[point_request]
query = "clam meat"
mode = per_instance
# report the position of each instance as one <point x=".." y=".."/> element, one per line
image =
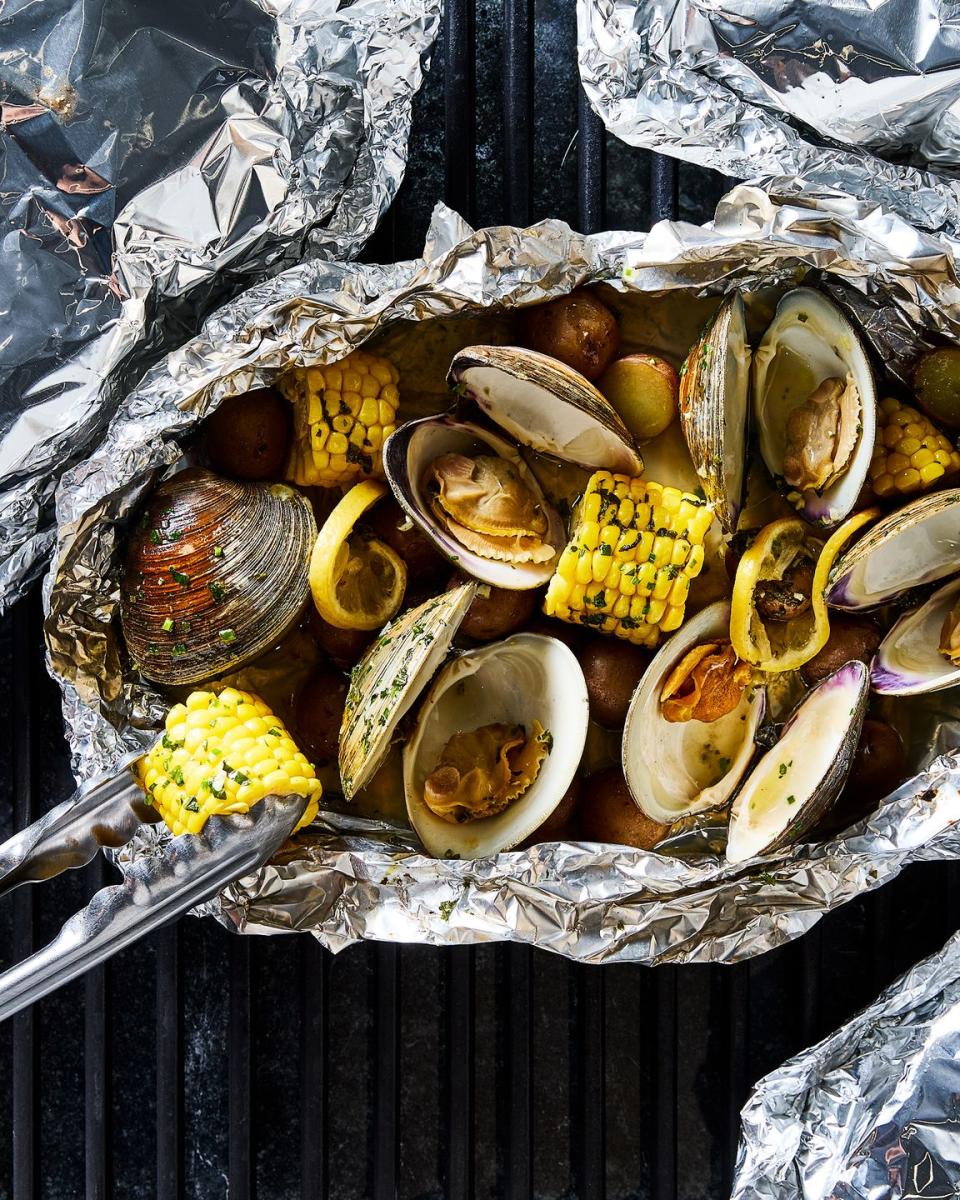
<point x="689" y="735"/>
<point x="498" y="740"/>
<point x="814" y="405"/>
<point x="798" y="779"/>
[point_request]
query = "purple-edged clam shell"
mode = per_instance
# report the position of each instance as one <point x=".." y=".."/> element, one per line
<point x="908" y="661"/>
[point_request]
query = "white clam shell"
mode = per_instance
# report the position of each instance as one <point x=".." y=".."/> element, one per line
<point x="668" y="764"/>
<point x="525" y="678"/>
<point x="917" y="544"/>
<point x="809" y="340"/>
<point x="908" y="661"/>
<point x="407" y="454"/>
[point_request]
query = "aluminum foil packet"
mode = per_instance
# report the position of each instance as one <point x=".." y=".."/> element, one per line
<point x="860" y="97"/>
<point x="155" y="158"/>
<point x="353" y="878"/>
<point x="871" y="1112"/>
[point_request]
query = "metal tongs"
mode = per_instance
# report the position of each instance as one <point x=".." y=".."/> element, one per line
<point x="187" y="870"/>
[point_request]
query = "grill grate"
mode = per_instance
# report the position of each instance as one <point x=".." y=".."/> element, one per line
<point x="209" y="1065"/>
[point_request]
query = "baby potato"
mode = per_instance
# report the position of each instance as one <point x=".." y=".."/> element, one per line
<point x="561" y="825"/>
<point x="578" y="329"/>
<point x="388" y="522"/>
<point x="936" y="382"/>
<point x="248" y="436"/>
<point x="608" y="814"/>
<point x="317" y="715"/>
<point x="495" y="612"/>
<point x="878" y="768"/>
<point x="644" y="390"/>
<point x="612" y="670"/>
<point x="344" y="647"/>
<point x="850" y="638"/>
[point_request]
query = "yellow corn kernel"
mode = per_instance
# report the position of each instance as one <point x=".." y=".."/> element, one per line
<point x="348" y="410"/>
<point x="634" y="548"/>
<point x="249" y="755"/>
<point x="910" y="454"/>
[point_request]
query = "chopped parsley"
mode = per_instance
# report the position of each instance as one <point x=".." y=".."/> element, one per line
<point x="217" y="591"/>
<point x="180" y="577"/>
<point x="546" y="740"/>
<point x="167" y="626"/>
<point x="227" y="636"/>
<point x="176" y="774"/>
<point x="446" y="908"/>
<point x="155" y="536"/>
<point x="192" y="805"/>
<point x="218" y="552"/>
<point x="784" y="768"/>
<point x="791" y="799"/>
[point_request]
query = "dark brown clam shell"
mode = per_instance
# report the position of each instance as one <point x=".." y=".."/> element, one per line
<point x="216" y="572"/>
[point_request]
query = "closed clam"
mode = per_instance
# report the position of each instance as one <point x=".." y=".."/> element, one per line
<point x="215" y="574"/>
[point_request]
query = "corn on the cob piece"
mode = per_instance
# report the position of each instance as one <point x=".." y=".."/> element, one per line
<point x="910" y="454"/>
<point x="222" y="753"/>
<point x="634" y="548"/>
<point x="342" y="415"/>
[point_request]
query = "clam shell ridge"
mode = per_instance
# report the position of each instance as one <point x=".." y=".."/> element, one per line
<point x="216" y="573"/>
<point x="546" y="405"/>
<point x="390" y="677"/>
<point x="714" y="407"/>
<point x="525" y="678"/>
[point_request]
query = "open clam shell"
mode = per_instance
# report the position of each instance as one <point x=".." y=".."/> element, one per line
<point x="546" y="405"/>
<point x="677" y="768"/>
<point x="215" y="574"/>
<point x="800" y="777"/>
<point x="808" y="341"/>
<point x="413" y="447"/>
<point x="917" y="544"/>
<point x="528" y="677"/>
<point x="714" y="408"/>
<point x="908" y="661"/>
<point x="390" y="677"/>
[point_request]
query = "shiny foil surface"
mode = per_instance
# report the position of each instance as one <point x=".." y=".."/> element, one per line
<point x="154" y="159"/>
<point x="350" y="878"/>
<point x="860" y="96"/>
<point x="871" y="1112"/>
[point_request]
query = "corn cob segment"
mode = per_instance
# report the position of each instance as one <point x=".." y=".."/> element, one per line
<point x="342" y="415"/>
<point x="634" y="549"/>
<point x="223" y="753"/>
<point x="910" y="454"/>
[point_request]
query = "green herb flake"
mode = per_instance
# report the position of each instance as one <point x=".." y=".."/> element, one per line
<point x="167" y="626"/>
<point x="155" y="536"/>
<point x="227" y="636"/>
<point x="180" y="577"/>
<point x="176" y="774"/>
<point x="217" y="591"/>
<point x="192" y="805"/>
<point x="791" y="799"/>
<point x="168" y="743"/>
<point x="218" y="552"/>
<point x="446" y="908"/>
<point x="179" y="649"/>
<point x="546" y="740"/>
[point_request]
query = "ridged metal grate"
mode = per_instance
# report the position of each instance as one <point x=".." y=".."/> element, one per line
<point x="203" y="1065"/>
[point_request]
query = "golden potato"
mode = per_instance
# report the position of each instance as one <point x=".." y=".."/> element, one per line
<point x="248" y="436"/>
<point x="562" y="824"/>
<point x="612" y="669"/>
<point x="643" y="389"/>
<point x="850" y="637"/>
<point x="317" y="715"/>
<point x="578" y="329"/>
<point x="495" y="612"/>
<point x="344" y="647"/>
<point x="608" y="814"/>
<point x="388" y="522"/>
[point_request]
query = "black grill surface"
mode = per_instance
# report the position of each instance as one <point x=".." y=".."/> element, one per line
<point x="204" y="1065"/>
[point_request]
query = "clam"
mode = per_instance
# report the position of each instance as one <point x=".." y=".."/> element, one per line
<point x="215" y="574"/>
<point x="464" y="478"/>
<point x="497" y="743"/>
<point x="920" y="652"/>
<point x="814" y="405"/>
<point x="918" y="544"/>
<point x="676" y="764"/>
<point x="799" y="778"/>
<point x="388" y="679"/>
<point x="714" y="404"/>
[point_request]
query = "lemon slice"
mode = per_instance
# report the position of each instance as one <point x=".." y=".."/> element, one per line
<point x="356" y="582"/>
<point x="785" y="645"/>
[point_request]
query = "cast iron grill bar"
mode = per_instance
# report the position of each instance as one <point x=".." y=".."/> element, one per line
<point x="591" y="167"/>
<point x="239" y="1074"/>
<point x="516" y="1133"/>
<point x="314" y="977"/>
<point x="664" y="201"/>
<point x="386" y="1106"/>
<point x="25" y="1059"/>
<point x="459" y="1052"/>
<point x="518" y="109"/>
<point x="735" y="983"/>
<point x="96" y="1063"/>
<point x="459" y="123"/>
<point x="169" y="1000"/>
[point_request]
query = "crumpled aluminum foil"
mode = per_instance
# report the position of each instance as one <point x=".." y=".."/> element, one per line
<point x="154" y="159"/>
<point x="860" y="97"/>
<point x="360" y="879"/>
<point x="871" y="1112"/>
